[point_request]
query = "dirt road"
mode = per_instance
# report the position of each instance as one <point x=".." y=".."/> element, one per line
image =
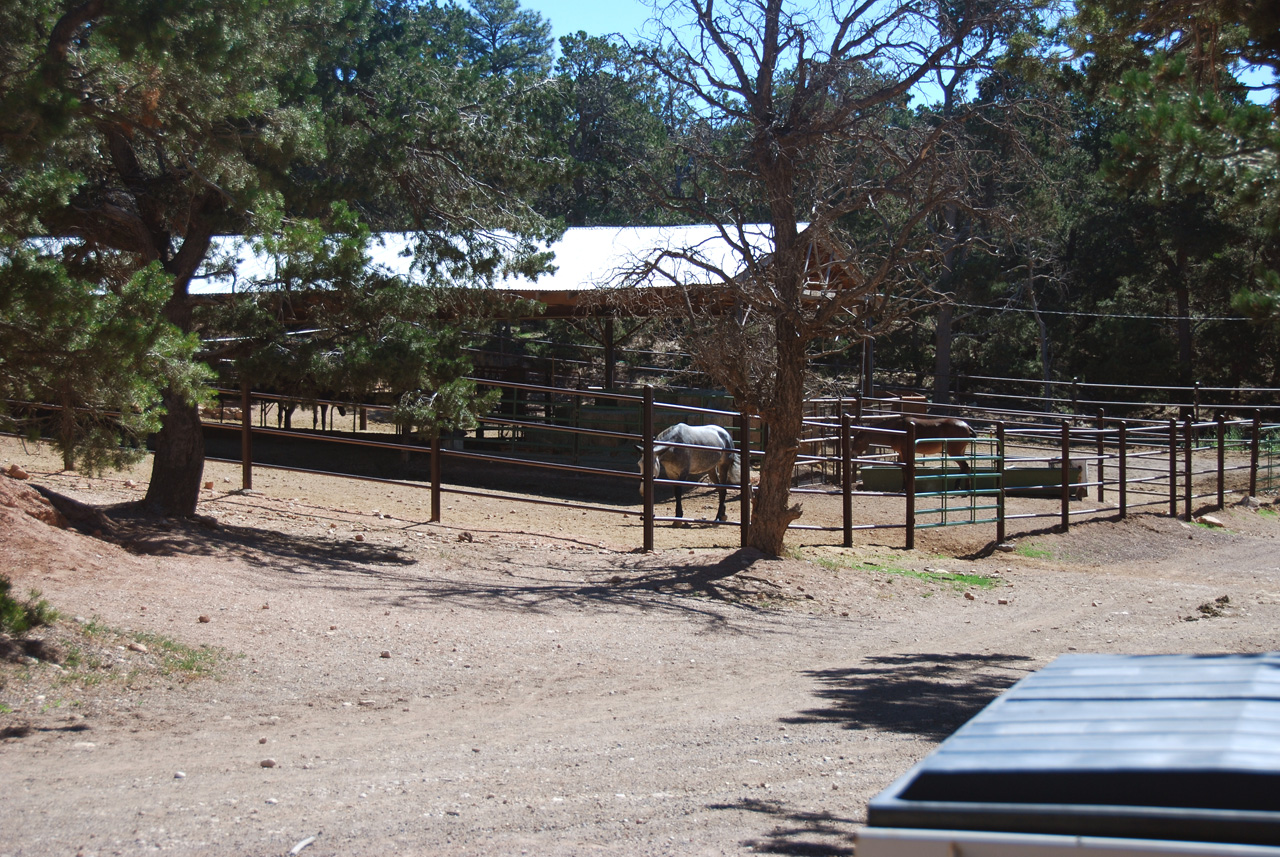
<point x="518" y="681"/>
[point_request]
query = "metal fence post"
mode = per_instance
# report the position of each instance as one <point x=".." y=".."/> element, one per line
<point x="1101" y="446"/>
<point x="909" y="484"/>
<point x="1254" y="448"/>
<point x="1000" y="522"/>
<point x="246" y="437"/>
<point x="846" y="477"/>
<point x="1222" y="460"/>
<point x="1186" y="487"/>
<point x="1065" y="464"/>
<point x="1124" y="470"/>
<point x="744" y="471"/>
<point x="435" y="476"/>
<point x="1173" y="468"/>
<point x="646" y="420"/>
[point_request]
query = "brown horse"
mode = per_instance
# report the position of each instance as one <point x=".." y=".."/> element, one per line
<point x="946" y="435"/>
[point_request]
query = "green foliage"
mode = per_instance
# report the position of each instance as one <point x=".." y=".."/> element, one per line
<point x="365" y="332"/>
<point x="19" y="617"/>
<point x="503" y="39"/>
<point x="604" y="118"/>
<point x="101" y="355"/>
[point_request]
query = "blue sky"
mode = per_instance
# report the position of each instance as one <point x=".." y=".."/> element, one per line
<point x="597" y="17"/>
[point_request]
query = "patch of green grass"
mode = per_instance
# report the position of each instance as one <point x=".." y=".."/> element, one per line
<point x="1033" y="552"/>
<point x="175" y="657"/>
<point x="1204" y="526"/>
<point x="18" y="617"/>
<point x="1268" y="513"/>
<point x="958" y="582"/>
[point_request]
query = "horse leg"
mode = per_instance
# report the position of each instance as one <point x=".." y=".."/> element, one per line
<point x="679" y="508"/>
<point x="720" y="515"/>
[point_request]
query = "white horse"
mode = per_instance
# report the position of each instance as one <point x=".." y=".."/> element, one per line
<point x="683" y="451"/>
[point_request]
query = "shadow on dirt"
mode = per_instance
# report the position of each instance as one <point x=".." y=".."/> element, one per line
<point x="148" y="535"/>
<point x="693" y="588"/>
<point x="930" y="695"/>
<point x="805" y="834"/>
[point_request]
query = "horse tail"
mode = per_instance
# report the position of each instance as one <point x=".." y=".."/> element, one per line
<point x="735" y="469"/>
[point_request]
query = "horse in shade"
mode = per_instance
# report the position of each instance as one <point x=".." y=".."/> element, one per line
<point x="946" y="435"/>
<point x="686" y="453"/>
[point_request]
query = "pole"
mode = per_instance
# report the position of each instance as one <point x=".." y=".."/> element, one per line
<point x="1065" y="464"/>
<point x="1186" y="486"/>
<point x="435" y="476"/>
<point x="846" y="477"/>
<point x="1173" y="468"/>
<point x="1101" y="446"/>
<point x="647" y="466"/>
<point x="1254" y="446"/>
<point x="1222" y="460"/>
<point x="744" y="472"/>
<point x="1000" y="523"/>
<point x="909" y="484"/>
<point x="1124" y="470"/>
<point x="246" y="437"/>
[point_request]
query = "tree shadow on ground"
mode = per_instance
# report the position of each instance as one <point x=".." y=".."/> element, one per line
<point x="930" y="695"/>
<point x="804" y="834"/>
<point x="141" y="533"/>
<point x="690" y="588"/>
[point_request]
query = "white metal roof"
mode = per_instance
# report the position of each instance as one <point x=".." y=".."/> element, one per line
<point x="586" y="258"/>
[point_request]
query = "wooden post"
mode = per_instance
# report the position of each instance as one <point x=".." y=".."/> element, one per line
<point x="1173" y="468"/>
<point x="435" y="476"/>
<point x="1186" y="487"/>
<point x="1254" y="447"/>
<point x="1000" y="523"/>
<point x="744" y="472"/>
<point x="846" y="476"/>
<point x="1222" y="460"/>
<point x="246" y="437"/>
<point x="646" y="465"/>
<point x="1124" y="469"/>
<point x="1101" y="446"/>
<point x="1065" y="464"/>
<point x="909" y="483"/>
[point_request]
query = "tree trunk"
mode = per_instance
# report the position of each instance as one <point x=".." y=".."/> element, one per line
<point x="178" y="464"/>
<point x="1185" y="373"/>
<point x="942" y="356"/>
<point x="773" y="512"/>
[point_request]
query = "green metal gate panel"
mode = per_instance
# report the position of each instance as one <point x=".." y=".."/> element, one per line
<point x="948" y="496"/>
<point x="1269" y="458"/>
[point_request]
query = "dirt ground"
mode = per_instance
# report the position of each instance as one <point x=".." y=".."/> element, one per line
<point x="313" y="668"/>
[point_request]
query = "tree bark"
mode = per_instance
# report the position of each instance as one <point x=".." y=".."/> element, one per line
<point x="943" y="338"/>
<point x="178" y="464"/>
<point x="773" y="513"/>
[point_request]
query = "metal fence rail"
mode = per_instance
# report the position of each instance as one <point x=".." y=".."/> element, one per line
<point x="1129" y="464"/>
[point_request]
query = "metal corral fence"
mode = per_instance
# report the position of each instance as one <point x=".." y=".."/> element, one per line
<point x="1129" y="464"/>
